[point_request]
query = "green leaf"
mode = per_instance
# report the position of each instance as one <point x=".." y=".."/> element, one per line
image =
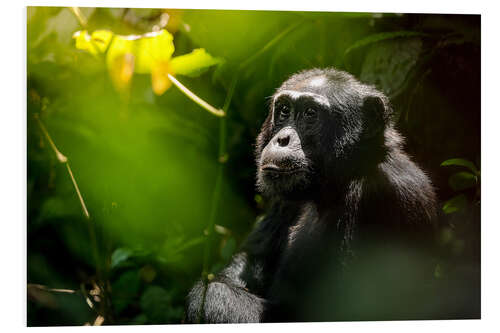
<point x="125" y="289"/>
<point x="438" y="271"/>
<point x="193" y="64"/>
<point x="455" y="204"/>
<point x="156" y="303"/>
<point x="461" y="162"/>
<point x="228" y="248"/>
<point x="462" y="180"/>
<point x="379" y="67"/>
<point x="55" y="207"/>
<point x="382" y="36"/>
<point x="120" y="255"/>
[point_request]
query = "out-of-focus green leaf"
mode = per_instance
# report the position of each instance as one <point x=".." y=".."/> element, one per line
<point x="147" y="273"/>
<point x="462" y="180"/>
<point x="455" y="204"/>
<point x="389" y="73"/>
<point x="156" y="304"/>
<point x="375" y="38"/>
<point x="125" y="289"/>
<point x="120" y="255"/>
<point x="438" y="272"/>
<point x="461" y="162"/>
<point x="194" y="63"/>
<point x="139" y="320"/>
<point x="55" y="207"/>
<point x="228" y="248"/>
<point x="172" y="249"/>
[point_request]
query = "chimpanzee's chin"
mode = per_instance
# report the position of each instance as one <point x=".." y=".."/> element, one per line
<point x="291" y="186"/>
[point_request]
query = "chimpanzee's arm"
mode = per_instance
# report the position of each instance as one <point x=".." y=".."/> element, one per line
<point x="227" y="298"/>
<point x="237" y="293"/>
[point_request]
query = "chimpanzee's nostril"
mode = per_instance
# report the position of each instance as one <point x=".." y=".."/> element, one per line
<point x="284" y="140"/>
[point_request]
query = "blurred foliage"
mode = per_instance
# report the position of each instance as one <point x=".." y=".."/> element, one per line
<point x="145" y="158"/>
<point x="463" y="181"/>
<point x="149" y="53"/>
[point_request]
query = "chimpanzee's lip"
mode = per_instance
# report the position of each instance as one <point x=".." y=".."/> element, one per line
<point x="275" y="169"/>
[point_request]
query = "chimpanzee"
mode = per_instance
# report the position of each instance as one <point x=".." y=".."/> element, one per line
<point x="341" y="189"/>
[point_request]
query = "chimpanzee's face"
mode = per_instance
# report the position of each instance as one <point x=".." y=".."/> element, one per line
<point x="313" y="126"/>
<point x="288" y="161"/>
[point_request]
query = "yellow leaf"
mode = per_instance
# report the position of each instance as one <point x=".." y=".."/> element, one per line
<point x="120" y="46"/>
<point x="194" y="63"/>
<point x="121" y="70"/>
<point x="101" y="39"/>
<point x="83" y="41"/>
<point x="152" y="49"/>
<point x="159" y="78"/>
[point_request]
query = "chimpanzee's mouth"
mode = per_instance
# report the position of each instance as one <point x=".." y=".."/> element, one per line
<point x="271" y="168"/>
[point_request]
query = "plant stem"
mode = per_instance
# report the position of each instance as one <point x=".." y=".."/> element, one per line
<point x="79" y="16"/>
<point x="222" y="159"/>
<point x="91" y="227"/>
<point x="195" y="98"/>
<point x="64" y="160"/>
<point x="270" y="44"/>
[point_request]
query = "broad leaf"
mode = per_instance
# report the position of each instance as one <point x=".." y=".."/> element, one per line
<point x="120" y="255"/>
<point x="83" y="41"/>
<point x="228" y="248"/>
<point x="462" y="180"/>
<point x="194" y="63"/>
<point x="455" y="204"/>
<point x="156" y="303"/>
<point x="152" y="49"/>
<point x="375" y="38"/>
<point x="125" y="289"/>
<point x="461" y="162"/>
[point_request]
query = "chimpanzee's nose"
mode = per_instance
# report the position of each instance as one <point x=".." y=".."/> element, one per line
<point x="284" y="139"/>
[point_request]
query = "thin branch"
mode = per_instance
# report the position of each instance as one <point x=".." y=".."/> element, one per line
<point x="64" y="160"/>
<point x="205" y="275"/>
<point x="195" y="98"/>
<point x="270" y="44"/>
<point x="79" y="15"/>
<point x="54" y="290"/>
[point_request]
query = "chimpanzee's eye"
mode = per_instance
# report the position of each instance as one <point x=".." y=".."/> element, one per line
<point x="283" y="110"/>
<point x="310" y="113"/>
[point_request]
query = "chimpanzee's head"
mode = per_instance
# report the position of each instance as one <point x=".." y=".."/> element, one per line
<point x="323" y="128"/>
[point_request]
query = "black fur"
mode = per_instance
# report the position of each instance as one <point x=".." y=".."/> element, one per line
<point x="340" y="186"/>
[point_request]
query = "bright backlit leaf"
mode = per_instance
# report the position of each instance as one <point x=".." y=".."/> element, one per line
<point x="461" y="162"/>
<point x="194" y="63"/>
<point x="101" y="39"/>
<point x="154" y="49"/>
<point x="83" y="41"/>
<point x="150" y="53"/>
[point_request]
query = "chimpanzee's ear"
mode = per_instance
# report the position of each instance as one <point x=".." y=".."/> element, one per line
<point x="375" y="115"/>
